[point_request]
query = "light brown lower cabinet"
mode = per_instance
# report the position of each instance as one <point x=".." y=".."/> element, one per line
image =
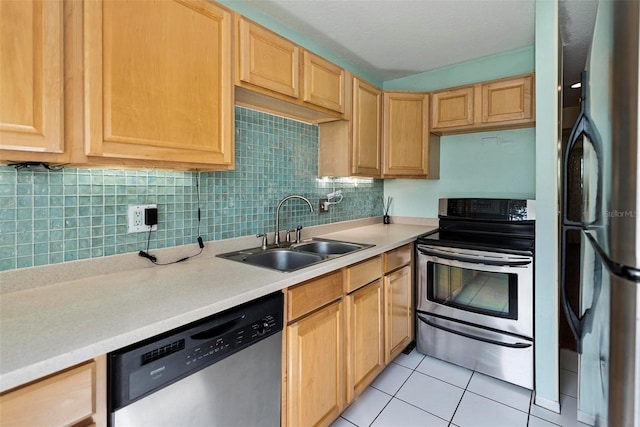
<point x="74" y="397"/>
<point x="315" y="378"/>
<point x="365" y="337"/>
<point x="398" y="312"/>
<point x="343" y="329"/>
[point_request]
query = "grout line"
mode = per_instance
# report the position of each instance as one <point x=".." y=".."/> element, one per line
<point x="413" y="371"/>
<point x="502" y="403"/>
<point x="441" y="380"/>
<point x="469" y="382"/>
<point x="383" y="408"/>
<point x="529" y="410"/>
<point x="422" y="409"/>
<point x="461" y="397"/>
<point x="356" y="425"/>
<point x="543" y="419"/>
<point x="381" y="391"/>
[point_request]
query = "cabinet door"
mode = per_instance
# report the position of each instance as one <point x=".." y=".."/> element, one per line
<point x="268" y="60"/>
<point x="367" y="104"/>
<point x="316" y="368"/>
<point x="76" y="396"/>
<point x="365" y="342"/>
<point x="398" y="288"/>
<point x="158" y="81"/>
<point x="323" y="83"/>
<point x="31" y="80"/>
<point x="452" y="108"/>
<point x="507" y="100"/>
<point x="406" y="134"/>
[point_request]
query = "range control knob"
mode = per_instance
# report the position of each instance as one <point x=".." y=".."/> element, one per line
<point x="262" y="327"/>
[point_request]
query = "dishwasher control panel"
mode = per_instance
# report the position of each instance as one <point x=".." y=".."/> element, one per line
<point x="142" y="368"/>
<point x="229" y="343"/>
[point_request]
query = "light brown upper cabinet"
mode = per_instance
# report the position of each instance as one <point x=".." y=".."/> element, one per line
<point x="367" y="108"/>
<point x="276" y="75"/>
<point x="158" y="82"/>
<point x="493" y="105"/>
<point x="352" y="147"/>
<point x="31" y="81"/>
<point x="267" y="60"/>
<point x="453" y="108"/>
<point x="387" y="137"/>
<point x="507" y="100"/>
<point x="323" y="82"/>
<point x="409" y="150"/>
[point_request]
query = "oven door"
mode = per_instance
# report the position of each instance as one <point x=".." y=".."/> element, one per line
<point x="487" y="289"/>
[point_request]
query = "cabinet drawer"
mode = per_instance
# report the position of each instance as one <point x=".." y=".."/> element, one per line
<point x="62" y="399"/>
<point x="306" y="297"/>
<point x="397" y="257"/>
<point x="360" y="274"/>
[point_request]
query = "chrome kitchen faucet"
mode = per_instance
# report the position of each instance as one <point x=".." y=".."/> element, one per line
<point x="277" y="236"/>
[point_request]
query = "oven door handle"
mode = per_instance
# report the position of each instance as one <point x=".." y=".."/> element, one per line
<point x="474" y="337"/>
<point x="473" y="260"/>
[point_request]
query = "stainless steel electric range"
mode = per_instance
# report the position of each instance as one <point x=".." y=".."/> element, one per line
<point x="475" y="287"/>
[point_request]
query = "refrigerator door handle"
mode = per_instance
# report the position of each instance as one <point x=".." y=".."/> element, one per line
<point x="573" y="319"/>
<point x="582" y="325"/>
<point x="583" y="127"/>
<point x="622" y="271"/>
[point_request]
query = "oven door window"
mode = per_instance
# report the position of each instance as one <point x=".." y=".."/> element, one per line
<point x="491" y="293"/>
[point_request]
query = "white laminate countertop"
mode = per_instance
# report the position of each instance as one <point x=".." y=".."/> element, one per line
<point x="47" y="329"/>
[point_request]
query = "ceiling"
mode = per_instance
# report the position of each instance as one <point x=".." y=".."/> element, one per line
<point x="389" y="39"/>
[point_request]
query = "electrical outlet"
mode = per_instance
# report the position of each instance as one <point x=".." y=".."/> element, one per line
<point x="135" y="215"/>
<point x="323" y="209"/>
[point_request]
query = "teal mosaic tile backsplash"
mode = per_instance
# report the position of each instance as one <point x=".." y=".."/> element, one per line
<point x="72" y="214"/>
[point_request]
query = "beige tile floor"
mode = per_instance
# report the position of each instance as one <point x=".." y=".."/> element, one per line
<point x="417" y="390"/>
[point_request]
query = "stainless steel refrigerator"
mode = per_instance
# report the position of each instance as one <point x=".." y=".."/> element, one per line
<point x="606" y="225"/>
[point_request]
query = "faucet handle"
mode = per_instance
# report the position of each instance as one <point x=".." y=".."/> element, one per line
<point x="288" y="236"/>
<point x="298" y="234"/>
<point x="265" y="240"/>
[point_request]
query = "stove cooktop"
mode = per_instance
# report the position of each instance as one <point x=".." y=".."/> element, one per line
<point x="481" y="241"/>
<point x="483" y="224"/>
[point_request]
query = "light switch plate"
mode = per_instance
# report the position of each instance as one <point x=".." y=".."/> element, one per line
<point x="135" y="222"/>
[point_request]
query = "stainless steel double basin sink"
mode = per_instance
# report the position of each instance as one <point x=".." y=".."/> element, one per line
<point x="296" y="256"/>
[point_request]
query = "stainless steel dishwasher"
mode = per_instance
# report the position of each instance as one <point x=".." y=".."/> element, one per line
<point x="224" y="370"/>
